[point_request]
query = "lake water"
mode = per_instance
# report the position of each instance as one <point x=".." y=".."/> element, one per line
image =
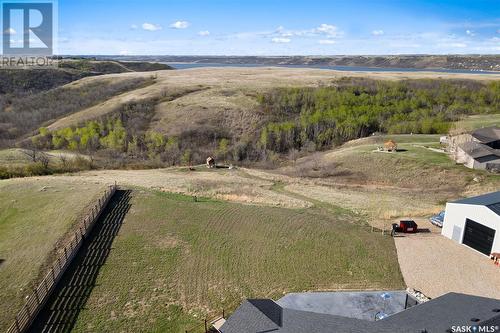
<point x="337" y="68"/>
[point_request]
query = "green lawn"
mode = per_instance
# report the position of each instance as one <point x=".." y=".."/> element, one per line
<point x="176" y="261"/>
<point x="34" y="215"/>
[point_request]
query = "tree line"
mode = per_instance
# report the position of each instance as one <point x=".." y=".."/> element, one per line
<point x="353" y="108"/>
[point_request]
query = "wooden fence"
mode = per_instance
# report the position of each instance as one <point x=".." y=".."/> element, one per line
<point x="40" y="295"/>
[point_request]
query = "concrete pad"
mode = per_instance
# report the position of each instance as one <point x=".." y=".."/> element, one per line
<point x="360" y="305"/>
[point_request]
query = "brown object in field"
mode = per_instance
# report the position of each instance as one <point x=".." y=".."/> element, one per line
<point x="496" y="258"/>
<point x="210" y="162"/>
<point x="391" y="146"/>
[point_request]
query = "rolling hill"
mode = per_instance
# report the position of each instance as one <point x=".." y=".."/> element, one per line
<point x="183" y="116"/>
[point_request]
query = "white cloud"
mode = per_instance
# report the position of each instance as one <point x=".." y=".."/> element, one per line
<point x="326" y="42"/>
<point x="204" y="33"/>
<point x="377" y="32"/>
<point x="327" y="29"/>
<point x="151" y="27"/>
<point x="134" y="27"/>
<point x="452" y="45"/>
<point x="124" y="52"/>
<point x="498" y="31"/>
<point x="180" y="25"/>
<point x="10" y="31"/>
<point x="281" y="40"/>
<point x="470" y="33"/>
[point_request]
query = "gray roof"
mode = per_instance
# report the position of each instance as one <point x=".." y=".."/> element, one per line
<point x="487" y="134"/>
<point x="438" y="315"/>
<point x="482" y="200"/>
<point x="477" y="150"/>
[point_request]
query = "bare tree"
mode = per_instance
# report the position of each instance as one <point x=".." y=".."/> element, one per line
<point x="44" y="160"/>
<point x="32" y="152"/>
<point x="293" y="155"/>
<point x="64" y="160"/>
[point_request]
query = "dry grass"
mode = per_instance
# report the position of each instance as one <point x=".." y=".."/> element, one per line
<point x="231" y="185"/>
<point x="223" y="94"/>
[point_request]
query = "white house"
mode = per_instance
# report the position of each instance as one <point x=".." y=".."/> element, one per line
<point x="475" y="222"/>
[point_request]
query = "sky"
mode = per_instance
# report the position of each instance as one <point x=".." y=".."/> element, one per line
<point x="258" y="27"/>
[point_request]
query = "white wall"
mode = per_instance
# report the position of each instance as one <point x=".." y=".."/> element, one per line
<point x="457" y="213"/>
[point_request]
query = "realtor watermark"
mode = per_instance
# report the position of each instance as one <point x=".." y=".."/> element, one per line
<point x="29" y="34"/>
<point x="475" y="329"/>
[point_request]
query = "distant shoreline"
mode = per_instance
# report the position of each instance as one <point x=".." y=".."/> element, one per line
<point x="459" y="64"/>
<point x="190" y="65"/>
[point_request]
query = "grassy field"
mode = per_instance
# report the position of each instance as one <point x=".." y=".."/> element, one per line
<point x="35" y="214"/>
<point x="16" y="157"/>
<point x="176" y="261"/>
<point x="477" y="121"/>
<point x="415" y="182"/>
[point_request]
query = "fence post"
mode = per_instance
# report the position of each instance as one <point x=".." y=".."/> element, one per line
<point x="17" y="325"/>
<point x="35" y="291"/>
<point x="206" y="326"/>
<point x="46" y="286"/>
<point x="27" y="310"/>
<point x="59" y="263"/>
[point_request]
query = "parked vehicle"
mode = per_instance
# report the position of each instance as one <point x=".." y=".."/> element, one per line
<point x="438" y="219"/>
<point x="408" y="226"/>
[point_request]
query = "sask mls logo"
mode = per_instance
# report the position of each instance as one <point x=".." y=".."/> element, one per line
<point x="28" y="28"/>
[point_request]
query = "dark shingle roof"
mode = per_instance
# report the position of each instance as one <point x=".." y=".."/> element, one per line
<point x="441" y="313"/>
<point x="482" y="200"/>
<point x="487" y="134"/>
<point x="437" y="315"/>
<point x="478" y="150"/>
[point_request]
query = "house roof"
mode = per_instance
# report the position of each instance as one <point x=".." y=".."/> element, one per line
<point x="437" y="315"/>
<point x="390" y="143"/>
<point x="487" y="134"/>
<point x="478" y="150"/>
<point x="482" y="200"/>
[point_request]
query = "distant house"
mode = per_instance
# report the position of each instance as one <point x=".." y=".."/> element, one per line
<point x="477" y="156"/>
<point x="489" y="136"/>
<point x="479" y="149"/>
<point x="474" y="222"/>
<point x="437" y="315"/>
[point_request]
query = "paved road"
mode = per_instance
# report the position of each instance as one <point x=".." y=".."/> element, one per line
<point x="437" y="265"/>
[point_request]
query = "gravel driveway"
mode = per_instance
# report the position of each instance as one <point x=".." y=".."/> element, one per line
<point x="437" y="265"/>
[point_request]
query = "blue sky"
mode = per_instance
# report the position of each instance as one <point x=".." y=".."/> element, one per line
<point x="224" y="27"/>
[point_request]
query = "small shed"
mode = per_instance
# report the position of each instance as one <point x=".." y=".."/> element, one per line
<point x="391" y="145"/>
<point x="210" y="162"/>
